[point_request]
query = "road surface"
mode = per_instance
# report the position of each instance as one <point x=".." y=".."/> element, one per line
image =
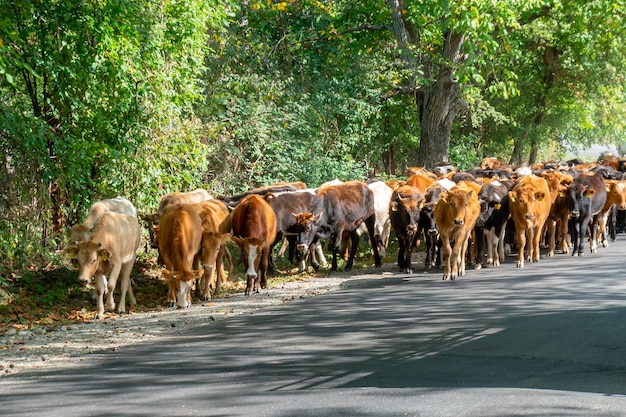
<point x="548" y="339"/>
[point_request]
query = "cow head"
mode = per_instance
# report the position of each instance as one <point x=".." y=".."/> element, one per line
<point x="579" y="199"/>
<point x="404" y="209"/>
<point x="91" y="257"/>
<point x="617" y="189"/>
<point x="525" y="199"/>
<point x="251" y="249"/>
<point x="184" y="281"/>
<point x="306" y="227"/>
<point x="457" y="201"/>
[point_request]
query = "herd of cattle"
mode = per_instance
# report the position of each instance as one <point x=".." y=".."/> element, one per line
<point x="456" y="213"/>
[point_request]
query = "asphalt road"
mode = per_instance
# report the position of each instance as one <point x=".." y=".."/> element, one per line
<point x="544" y="340"/>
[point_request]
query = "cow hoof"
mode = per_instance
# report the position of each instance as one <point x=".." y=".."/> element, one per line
<point x="170" y="304"/>
<point x="478" y="266"/>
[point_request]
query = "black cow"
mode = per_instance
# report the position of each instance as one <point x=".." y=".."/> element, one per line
<point x="338" y="208"/>
<point x="490" y="198"/>
<point x="285" y="205"/>
<point x="404" y="213"/>
<point x="586" y="197"/>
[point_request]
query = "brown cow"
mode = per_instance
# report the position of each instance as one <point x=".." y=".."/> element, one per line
<point x="529" y="203"/>
<point x="216" y="227"/>
<point x="456" y="213"/>
<point x="111" y="250"/>
<point x="254" y="230"/>
<point x="152" y="220"/>
<point x="180" y="239"/>
<point x="557" y="222"/>
<point x="421" y="182"/>
<point x="615" y="200"/>
<point x="404" y="213"/>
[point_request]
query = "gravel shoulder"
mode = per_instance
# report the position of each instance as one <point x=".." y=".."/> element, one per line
<point x="58" y="346"/>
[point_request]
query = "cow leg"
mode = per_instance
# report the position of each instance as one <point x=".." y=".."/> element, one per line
<point x="115" y="273"/>
<point x="370" y="222"/>
<point x="401" y="252"/>
<point x="521" y="243"/>
<point x="537" y="238"/>
<point x="317" y="247"/>
<point x="447" y="252"/>
<point x="101" y="285"/>
<point x="354" y="247"/>
<point x="263" y="267"/>
<point x="125" y="286"/>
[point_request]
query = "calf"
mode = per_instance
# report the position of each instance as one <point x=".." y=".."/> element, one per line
<point x="180" y="243"/>
<point x="254" y="231"/>
<point x="586" y="198"/>
<point x="111" y="250"/>
<point x="404" y="213"/>
<point x="339" y="208"/>
<point x="456" y="213"/>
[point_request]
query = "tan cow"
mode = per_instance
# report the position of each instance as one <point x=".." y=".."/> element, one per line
<point x="529" y="203"/>
<point x="111" y="250"/>
<point x="615" y="198"/>
<point x="180" y="239"/>
<point x="112" y="205"/>
<point x="216" y="231"/>
<point x="456" y="213"/>
<point x="556" y="225"/>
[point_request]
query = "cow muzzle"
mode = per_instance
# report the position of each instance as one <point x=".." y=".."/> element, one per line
<point x="575" y="214"/>
<point x="459" y="222"/>
<point x="529" y="216"/>
<point x="302" y="247"/>
<point x="411" y="228"/>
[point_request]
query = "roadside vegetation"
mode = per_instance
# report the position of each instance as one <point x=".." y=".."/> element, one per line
<point x="142" y="98"/>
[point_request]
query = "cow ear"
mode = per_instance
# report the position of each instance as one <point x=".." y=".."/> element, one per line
<point x="104" y="254"/>
<point x="238" y="240"/>
<point x="512" y="196"/>
<point x="562" y="194"/>
<point x="540" y="196"/>
<point x="590" y="192"/>
<point x="167" y="274"/>
<point x="318" y="217"/>
<point x="71" y="251"/>
<point x="497" y="206"/>
<point x="394" y="206"/>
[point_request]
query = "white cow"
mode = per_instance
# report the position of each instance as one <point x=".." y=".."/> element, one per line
<point x="120" y="205"/>
<point x="111" y="251"/>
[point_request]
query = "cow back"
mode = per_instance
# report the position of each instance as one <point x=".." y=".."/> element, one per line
<point x="343" y="206"/>
<point x="119" y="233"/>
<point x="180" y="236"/>
<point x="254" y="218"/>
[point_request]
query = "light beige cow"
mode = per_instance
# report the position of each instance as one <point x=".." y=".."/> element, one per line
<point x="111" y="251"/>
<point x="120" y="205"/>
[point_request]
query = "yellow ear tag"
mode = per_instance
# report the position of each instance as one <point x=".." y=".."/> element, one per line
<point x="105" y="256"/>
<point x="588" y="194"/>
<point x="512" y="199"/>
<point x="497" y="206"/>
<point x="562" y="194"/>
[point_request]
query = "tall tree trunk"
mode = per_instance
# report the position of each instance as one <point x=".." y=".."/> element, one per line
<point x="438" y="100"/>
